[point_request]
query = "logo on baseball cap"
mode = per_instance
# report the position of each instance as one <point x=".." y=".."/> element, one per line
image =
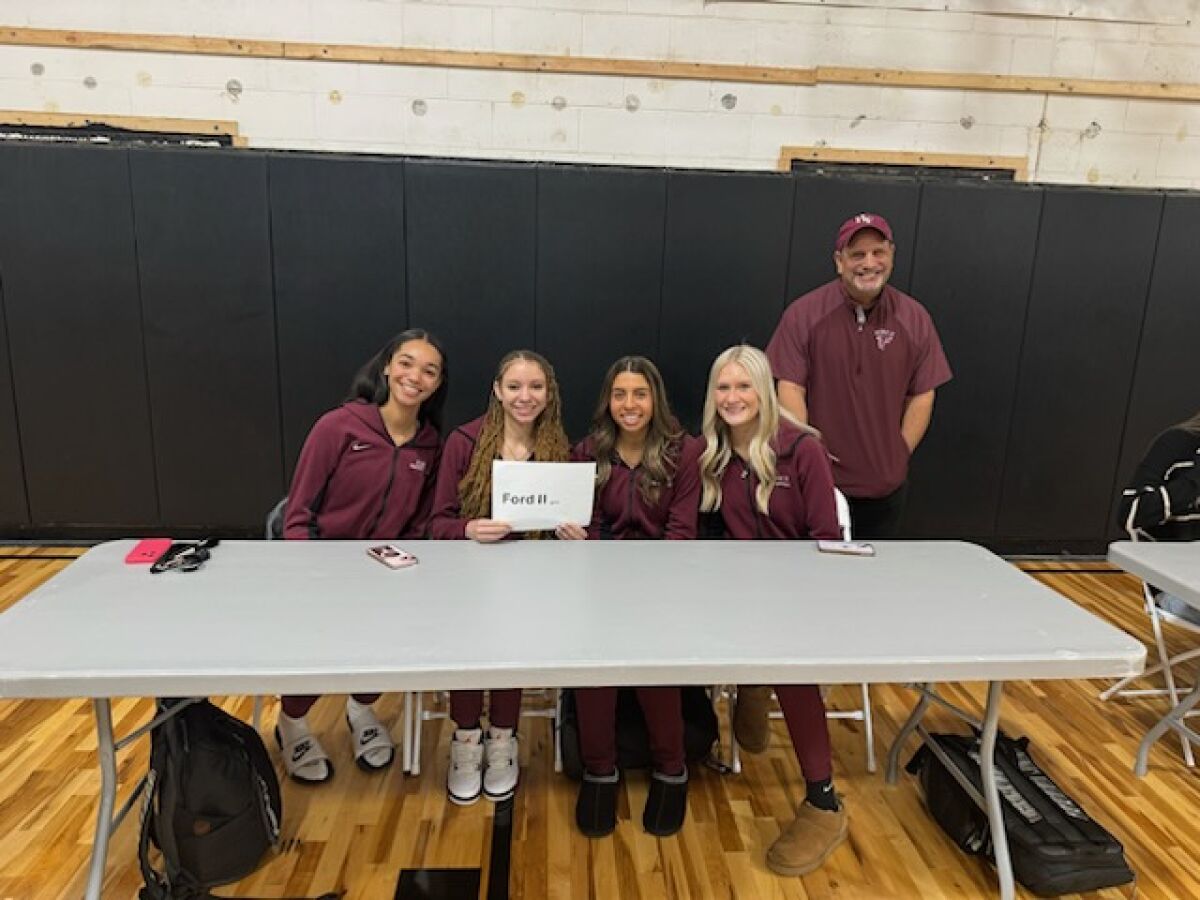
<point x="855" y="224"/>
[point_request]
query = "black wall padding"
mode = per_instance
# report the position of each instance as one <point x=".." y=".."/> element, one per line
<point x="14" y="506"/>
<point x="972" y="270"/>
<point x="1166" y="383"/>
<point x="1094" y="256"/>
<point x="724" y="275"/>
<point x="204" y="257"/>
<point x="75" y="337"/>
<point x="599" y="275"/>
<point x="337" y="243"/>
<point x="824" y="203"/>
<point x="471" y="231"/>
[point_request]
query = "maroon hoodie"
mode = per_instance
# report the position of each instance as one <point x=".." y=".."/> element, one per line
<point x="802" y="504"/>
<point x="621" y="512"/>
<point x="445" y="523"/>
<point x="353" y="483"/>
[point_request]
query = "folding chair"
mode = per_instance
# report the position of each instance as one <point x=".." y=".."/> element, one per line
<point x="1166" y="664"/>
<point x="861" y="714"/>
<point x="417" y="714"/>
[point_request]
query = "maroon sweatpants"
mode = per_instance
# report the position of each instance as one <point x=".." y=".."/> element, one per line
<point x="467" y="706"/>
<point x="597" y="710"/>
<point x="804" y="712"/>
<point x="297" y="705"/>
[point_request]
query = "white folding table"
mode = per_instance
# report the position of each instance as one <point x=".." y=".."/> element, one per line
<point x="321" y="617"/>
<point x="1173" y="567"/>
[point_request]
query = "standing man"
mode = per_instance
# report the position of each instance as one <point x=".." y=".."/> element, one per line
<point x="860" y="361"/>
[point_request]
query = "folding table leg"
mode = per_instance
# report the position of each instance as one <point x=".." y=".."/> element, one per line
<point x="107" y="752"/>
<point x="1176" y="719"/>
<point x="991" y="796"/>
<point x="909" y="726"/>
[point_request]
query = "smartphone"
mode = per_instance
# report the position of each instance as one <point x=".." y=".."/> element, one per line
<point x="147" y="551"/>
<point x="392" y="556"/>
<point x="850" y="548"/>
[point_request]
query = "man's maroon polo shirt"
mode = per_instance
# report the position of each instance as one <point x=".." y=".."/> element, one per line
<point x="858" y="372"/>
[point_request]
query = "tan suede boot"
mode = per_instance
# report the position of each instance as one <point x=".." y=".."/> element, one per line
<point x="813" y="835"/>
<point x="750" y="724"/>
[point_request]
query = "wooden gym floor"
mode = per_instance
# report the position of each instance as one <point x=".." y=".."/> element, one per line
<point x="359" y="832"/>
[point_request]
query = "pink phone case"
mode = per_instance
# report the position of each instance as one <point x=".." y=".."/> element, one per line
<point x="147" y="551"/>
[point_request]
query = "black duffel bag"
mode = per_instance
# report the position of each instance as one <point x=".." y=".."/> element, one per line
<point x="633" y="742"/>
<point x="1056" y="848"/>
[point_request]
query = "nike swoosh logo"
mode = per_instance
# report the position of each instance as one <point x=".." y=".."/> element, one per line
<point x="299" y="750"/>
<point x="368" y="735"/>
<point x="360" y="445"/>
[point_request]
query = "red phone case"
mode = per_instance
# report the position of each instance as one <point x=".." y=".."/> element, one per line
<point x="147" y="551"/>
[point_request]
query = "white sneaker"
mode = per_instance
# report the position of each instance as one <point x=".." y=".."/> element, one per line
<point x="500" y="780"/>
<point x="464" y="781"/>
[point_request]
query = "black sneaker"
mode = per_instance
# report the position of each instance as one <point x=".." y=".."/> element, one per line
<point x="667" y="804"/>
<point x="596" y="806"/>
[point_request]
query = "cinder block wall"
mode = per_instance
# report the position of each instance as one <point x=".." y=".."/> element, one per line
<point x="584" y="118"/>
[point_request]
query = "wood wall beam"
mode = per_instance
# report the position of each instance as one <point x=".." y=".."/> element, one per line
<point x="1018" y="165"/>
<point x="588" y="65"/>
<point x="133" y="123"/>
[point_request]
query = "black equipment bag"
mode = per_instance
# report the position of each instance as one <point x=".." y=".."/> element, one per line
<point x="212" y="804"/>
<point x="633" y="741"/>
<point x="1056" y="848"/>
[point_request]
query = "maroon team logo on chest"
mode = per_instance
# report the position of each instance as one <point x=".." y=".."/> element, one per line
<point x="883" y="337"/>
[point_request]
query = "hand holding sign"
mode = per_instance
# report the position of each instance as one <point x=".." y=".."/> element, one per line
<point x="535" y="496"/>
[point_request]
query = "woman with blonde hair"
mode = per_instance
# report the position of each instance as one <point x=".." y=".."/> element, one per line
<point x="523" y="422"/>
<point x="647" y="488"/>
<point x="769" y="478"/>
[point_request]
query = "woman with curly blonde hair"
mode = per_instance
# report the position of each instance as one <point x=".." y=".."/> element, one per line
<point x="523" y="422"/>
<point x="769" y="478"/>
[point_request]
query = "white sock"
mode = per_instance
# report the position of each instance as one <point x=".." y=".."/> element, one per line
<point x="291" y="730"/>
<point x="354" y="709"/>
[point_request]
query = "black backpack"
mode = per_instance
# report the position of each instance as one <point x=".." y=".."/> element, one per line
<point x="633" y="742"/>
<point x="1056" y="848"/>
<point x="212" y="804"/>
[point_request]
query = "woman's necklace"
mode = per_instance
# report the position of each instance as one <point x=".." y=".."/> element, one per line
<point x="513" y="451"/>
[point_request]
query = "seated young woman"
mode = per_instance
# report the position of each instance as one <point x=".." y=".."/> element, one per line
<point x="1162" y="500"/>
<point x="769" y="478"/>
<point x="523" y="422"/>
<point x="647" y="488"/>
<point x="366" y="472"/>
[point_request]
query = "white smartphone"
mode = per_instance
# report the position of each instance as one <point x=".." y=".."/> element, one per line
<point x="850" y="548"/>
<point x="392" y="556"/>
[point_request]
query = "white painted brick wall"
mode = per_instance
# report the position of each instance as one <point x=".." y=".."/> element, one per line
<point x="639" y="121"/>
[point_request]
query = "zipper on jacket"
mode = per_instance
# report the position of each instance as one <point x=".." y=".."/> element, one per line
<point x="753" y="509"/>
<point x="386" y="491"/>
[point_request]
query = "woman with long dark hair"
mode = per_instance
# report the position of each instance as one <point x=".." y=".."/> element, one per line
<point x="366" y="472"/>
<point x="647" y="488"/>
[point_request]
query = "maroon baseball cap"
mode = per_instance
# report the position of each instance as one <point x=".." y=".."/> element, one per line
<point x="855" y="224"/>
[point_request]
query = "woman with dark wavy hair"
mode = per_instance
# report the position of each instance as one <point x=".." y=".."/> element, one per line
<point x="523" y="422"/>
<point x="366" y="472"/>
<point x="647" y="488"/>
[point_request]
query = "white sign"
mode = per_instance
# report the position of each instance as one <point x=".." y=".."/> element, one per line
<point x="536" y="496"/>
